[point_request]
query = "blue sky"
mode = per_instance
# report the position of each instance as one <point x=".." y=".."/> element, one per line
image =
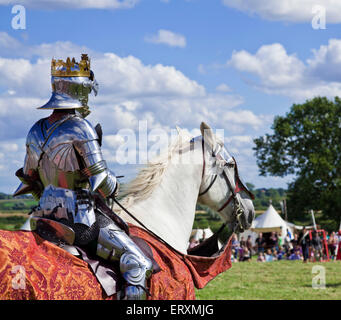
<point x="234" y="64"/>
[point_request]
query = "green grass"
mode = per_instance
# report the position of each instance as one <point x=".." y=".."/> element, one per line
<point x="278" y="280"/>
<point x="12" y="223"/>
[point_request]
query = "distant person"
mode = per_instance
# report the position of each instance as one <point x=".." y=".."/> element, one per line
<point x="242" y="242"/>
<point x="275" y="254"/>
<point x="273" y="241"/>
<point x="304" y="242"/>
<point x="249" y="245"/>
<point x="294" y="242"/>
<point x="246" y="254"/>
<point x="260" y="243"/>
<point x="332" y="244"/>
<point x="235" y="246"/>
<point x="338" y="255"/>
<point x="317" y="246"/>
<point x="280" y="253"/>
<point x="287" y="242"/>
<point x="261" y="257"/>
<point x="269" y="256"/>
<point x="295" y="255"/>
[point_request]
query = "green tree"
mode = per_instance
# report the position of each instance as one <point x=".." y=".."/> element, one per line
<point x="307" y="144"/>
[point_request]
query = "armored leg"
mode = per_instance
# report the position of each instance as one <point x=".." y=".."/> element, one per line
<point x="115" y="245"/>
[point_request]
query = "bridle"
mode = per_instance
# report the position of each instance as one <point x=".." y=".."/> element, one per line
<point x="238" y="210"/>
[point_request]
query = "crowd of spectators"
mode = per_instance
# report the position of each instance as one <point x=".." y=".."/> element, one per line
<point x="303" y="246"/>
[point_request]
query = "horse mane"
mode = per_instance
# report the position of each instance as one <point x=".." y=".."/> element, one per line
<point x="150" y="176"/>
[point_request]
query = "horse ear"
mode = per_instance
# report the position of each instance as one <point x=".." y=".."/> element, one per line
<point x="208" y="134"/>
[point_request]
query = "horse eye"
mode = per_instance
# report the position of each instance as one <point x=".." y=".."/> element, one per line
<point x="230" y="164"/>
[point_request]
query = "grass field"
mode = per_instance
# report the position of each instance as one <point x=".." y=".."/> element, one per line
<point x="14" y="212"/>
<point x="278" y="280"/>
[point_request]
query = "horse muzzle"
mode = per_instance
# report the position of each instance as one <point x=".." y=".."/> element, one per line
<point x="244" y="219"/>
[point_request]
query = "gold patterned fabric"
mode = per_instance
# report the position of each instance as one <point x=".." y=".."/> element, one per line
<point x="35" y="269"/>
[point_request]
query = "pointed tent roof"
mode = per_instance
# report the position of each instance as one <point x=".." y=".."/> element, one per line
<point x="269" y="221"/>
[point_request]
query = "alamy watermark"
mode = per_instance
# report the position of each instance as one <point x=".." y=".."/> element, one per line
<point x="319" y="18"/>
<point x="19" y="19"/>
<point x="143" y="145"/>
<point x="319" y="277"/>
<point x="19" y="278"/>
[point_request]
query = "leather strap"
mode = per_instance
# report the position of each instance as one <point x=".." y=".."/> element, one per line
<point x="209" y="187"/>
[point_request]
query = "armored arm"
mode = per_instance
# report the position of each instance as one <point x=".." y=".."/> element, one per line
<point x="101" y="179"/>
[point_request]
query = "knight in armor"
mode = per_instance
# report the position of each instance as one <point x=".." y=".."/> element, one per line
<point x="65" y="170"/>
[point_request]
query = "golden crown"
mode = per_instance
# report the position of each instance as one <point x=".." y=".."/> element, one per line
<point x="71" y="68"/>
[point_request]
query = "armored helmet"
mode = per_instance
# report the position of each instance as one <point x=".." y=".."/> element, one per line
<point x="71" y="84"/>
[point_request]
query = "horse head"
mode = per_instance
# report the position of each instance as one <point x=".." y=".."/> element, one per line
<point x="221" y="187"/>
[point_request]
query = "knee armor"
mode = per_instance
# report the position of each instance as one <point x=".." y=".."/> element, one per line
<point x="115" y="245"/>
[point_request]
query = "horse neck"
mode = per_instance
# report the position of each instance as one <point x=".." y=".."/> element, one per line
<point x="169" y="211"/>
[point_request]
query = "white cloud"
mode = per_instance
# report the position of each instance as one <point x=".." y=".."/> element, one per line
<point x="8" y="42"/>
<point x="223" y="87"/>
<point x="9" y="147"/>
<point x="129" y="76"/>
<point x="271" y="63"/>
<point x="237" y="119"/>
<point x="73" y="4"/>
<point x="326" y="62"/>
<point x="113" y="140"/>
<point x="167" y="37"/>
<point x="288" y="10"/>
<point x="278" y="72"/>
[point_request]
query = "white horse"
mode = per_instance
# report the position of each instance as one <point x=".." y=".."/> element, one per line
<point x="163" y="197"/>
<point x="164" y="194"/>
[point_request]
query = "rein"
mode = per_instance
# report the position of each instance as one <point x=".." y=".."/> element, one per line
<point x="150" y="231"/>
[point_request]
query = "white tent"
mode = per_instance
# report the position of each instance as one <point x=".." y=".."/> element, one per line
<point x="269" y="221"/>
<point x="199" y="233"/>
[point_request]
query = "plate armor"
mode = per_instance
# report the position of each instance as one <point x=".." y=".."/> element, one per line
<point x="65" y="170"/>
